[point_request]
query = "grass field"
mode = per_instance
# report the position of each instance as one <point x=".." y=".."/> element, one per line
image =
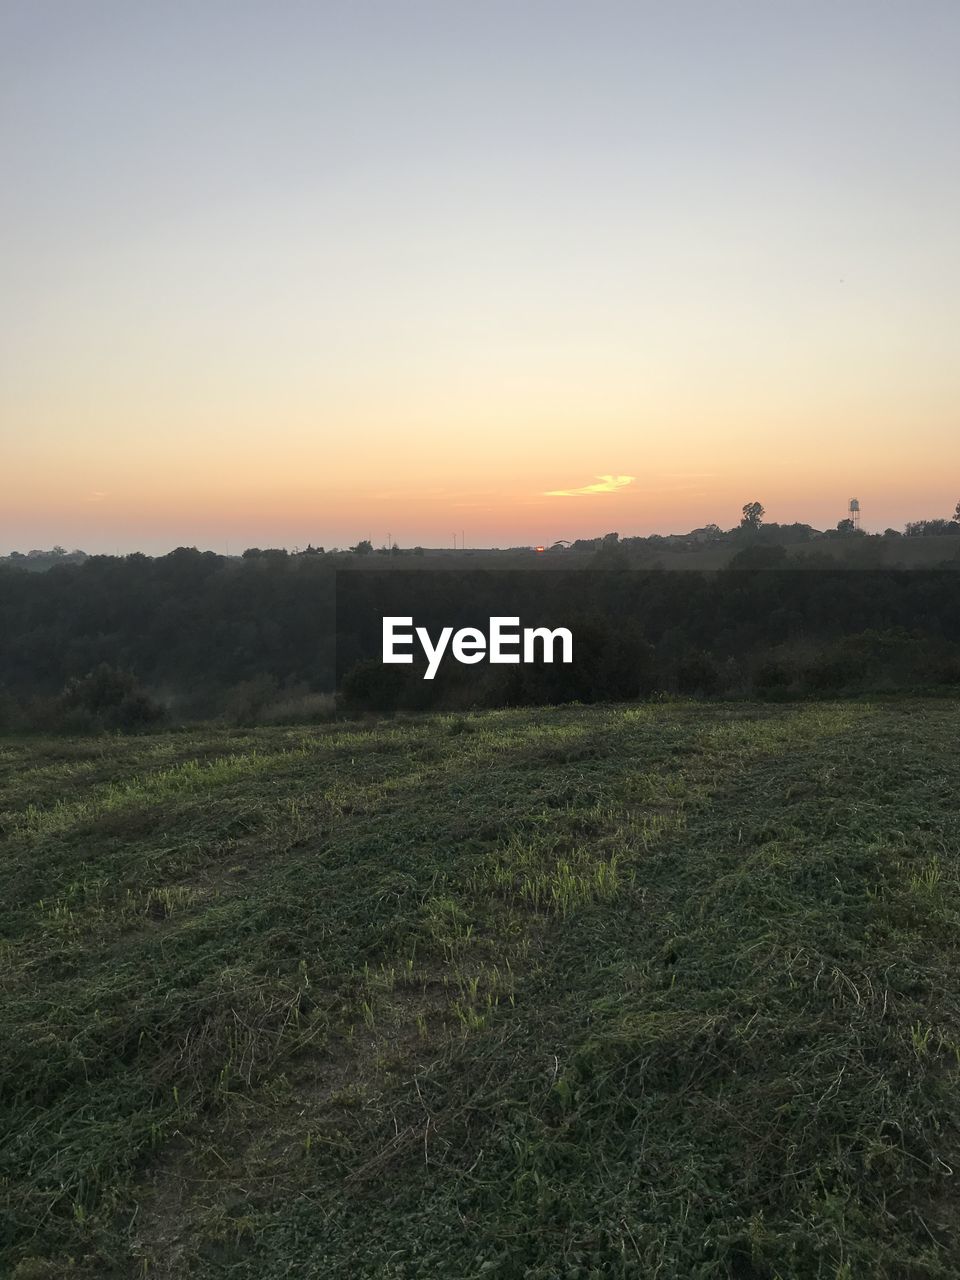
<point x="664" y="991"/>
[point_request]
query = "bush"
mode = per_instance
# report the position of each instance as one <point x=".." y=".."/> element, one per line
<point x="773" y="675"/>
<point x="244" y="702"/>
<point x="106" y="698"/>
<point x="699" y="674"/>
<point x="370" y="686"/>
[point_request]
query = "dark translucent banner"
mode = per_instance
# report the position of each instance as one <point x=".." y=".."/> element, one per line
<point x="418" y="639"/>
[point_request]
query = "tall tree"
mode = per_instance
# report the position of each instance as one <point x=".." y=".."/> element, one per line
<point x="753" y="514"/>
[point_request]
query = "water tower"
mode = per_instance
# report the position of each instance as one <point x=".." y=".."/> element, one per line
<point x="855" y="512"/>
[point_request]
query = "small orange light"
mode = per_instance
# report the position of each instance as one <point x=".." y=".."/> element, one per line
<point x="539" y="548"/>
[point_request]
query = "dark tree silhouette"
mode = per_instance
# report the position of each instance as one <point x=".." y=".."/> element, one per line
<point x="753" y="514"/>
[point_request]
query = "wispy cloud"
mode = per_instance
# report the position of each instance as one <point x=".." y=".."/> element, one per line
<point x="97" y="496"/>
<point x="604" y="484"/>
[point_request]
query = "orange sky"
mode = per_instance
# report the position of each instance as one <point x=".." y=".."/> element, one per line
<point x="336" y="277"/>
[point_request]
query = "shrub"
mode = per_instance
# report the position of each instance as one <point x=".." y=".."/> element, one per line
<point x="370" y="686"/>
<point x="698" y="673"/>
<point x="105" y="698"/>
<point x="773" y="675"/>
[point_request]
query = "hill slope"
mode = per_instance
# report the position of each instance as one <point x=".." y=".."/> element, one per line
<point x="669" y="990"/>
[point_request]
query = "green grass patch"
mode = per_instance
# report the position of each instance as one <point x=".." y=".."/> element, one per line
<point x="580" y="992"/>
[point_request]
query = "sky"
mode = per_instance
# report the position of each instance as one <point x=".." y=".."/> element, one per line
<point x="514" y="271"/>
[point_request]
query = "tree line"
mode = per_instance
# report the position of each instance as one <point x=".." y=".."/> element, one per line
<point x="122" y="642"/>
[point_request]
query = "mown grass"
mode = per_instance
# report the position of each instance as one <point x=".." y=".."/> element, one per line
<point x="661" y="991"/>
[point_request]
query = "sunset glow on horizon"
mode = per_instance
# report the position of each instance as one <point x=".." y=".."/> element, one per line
<point x="511" y="273"/>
